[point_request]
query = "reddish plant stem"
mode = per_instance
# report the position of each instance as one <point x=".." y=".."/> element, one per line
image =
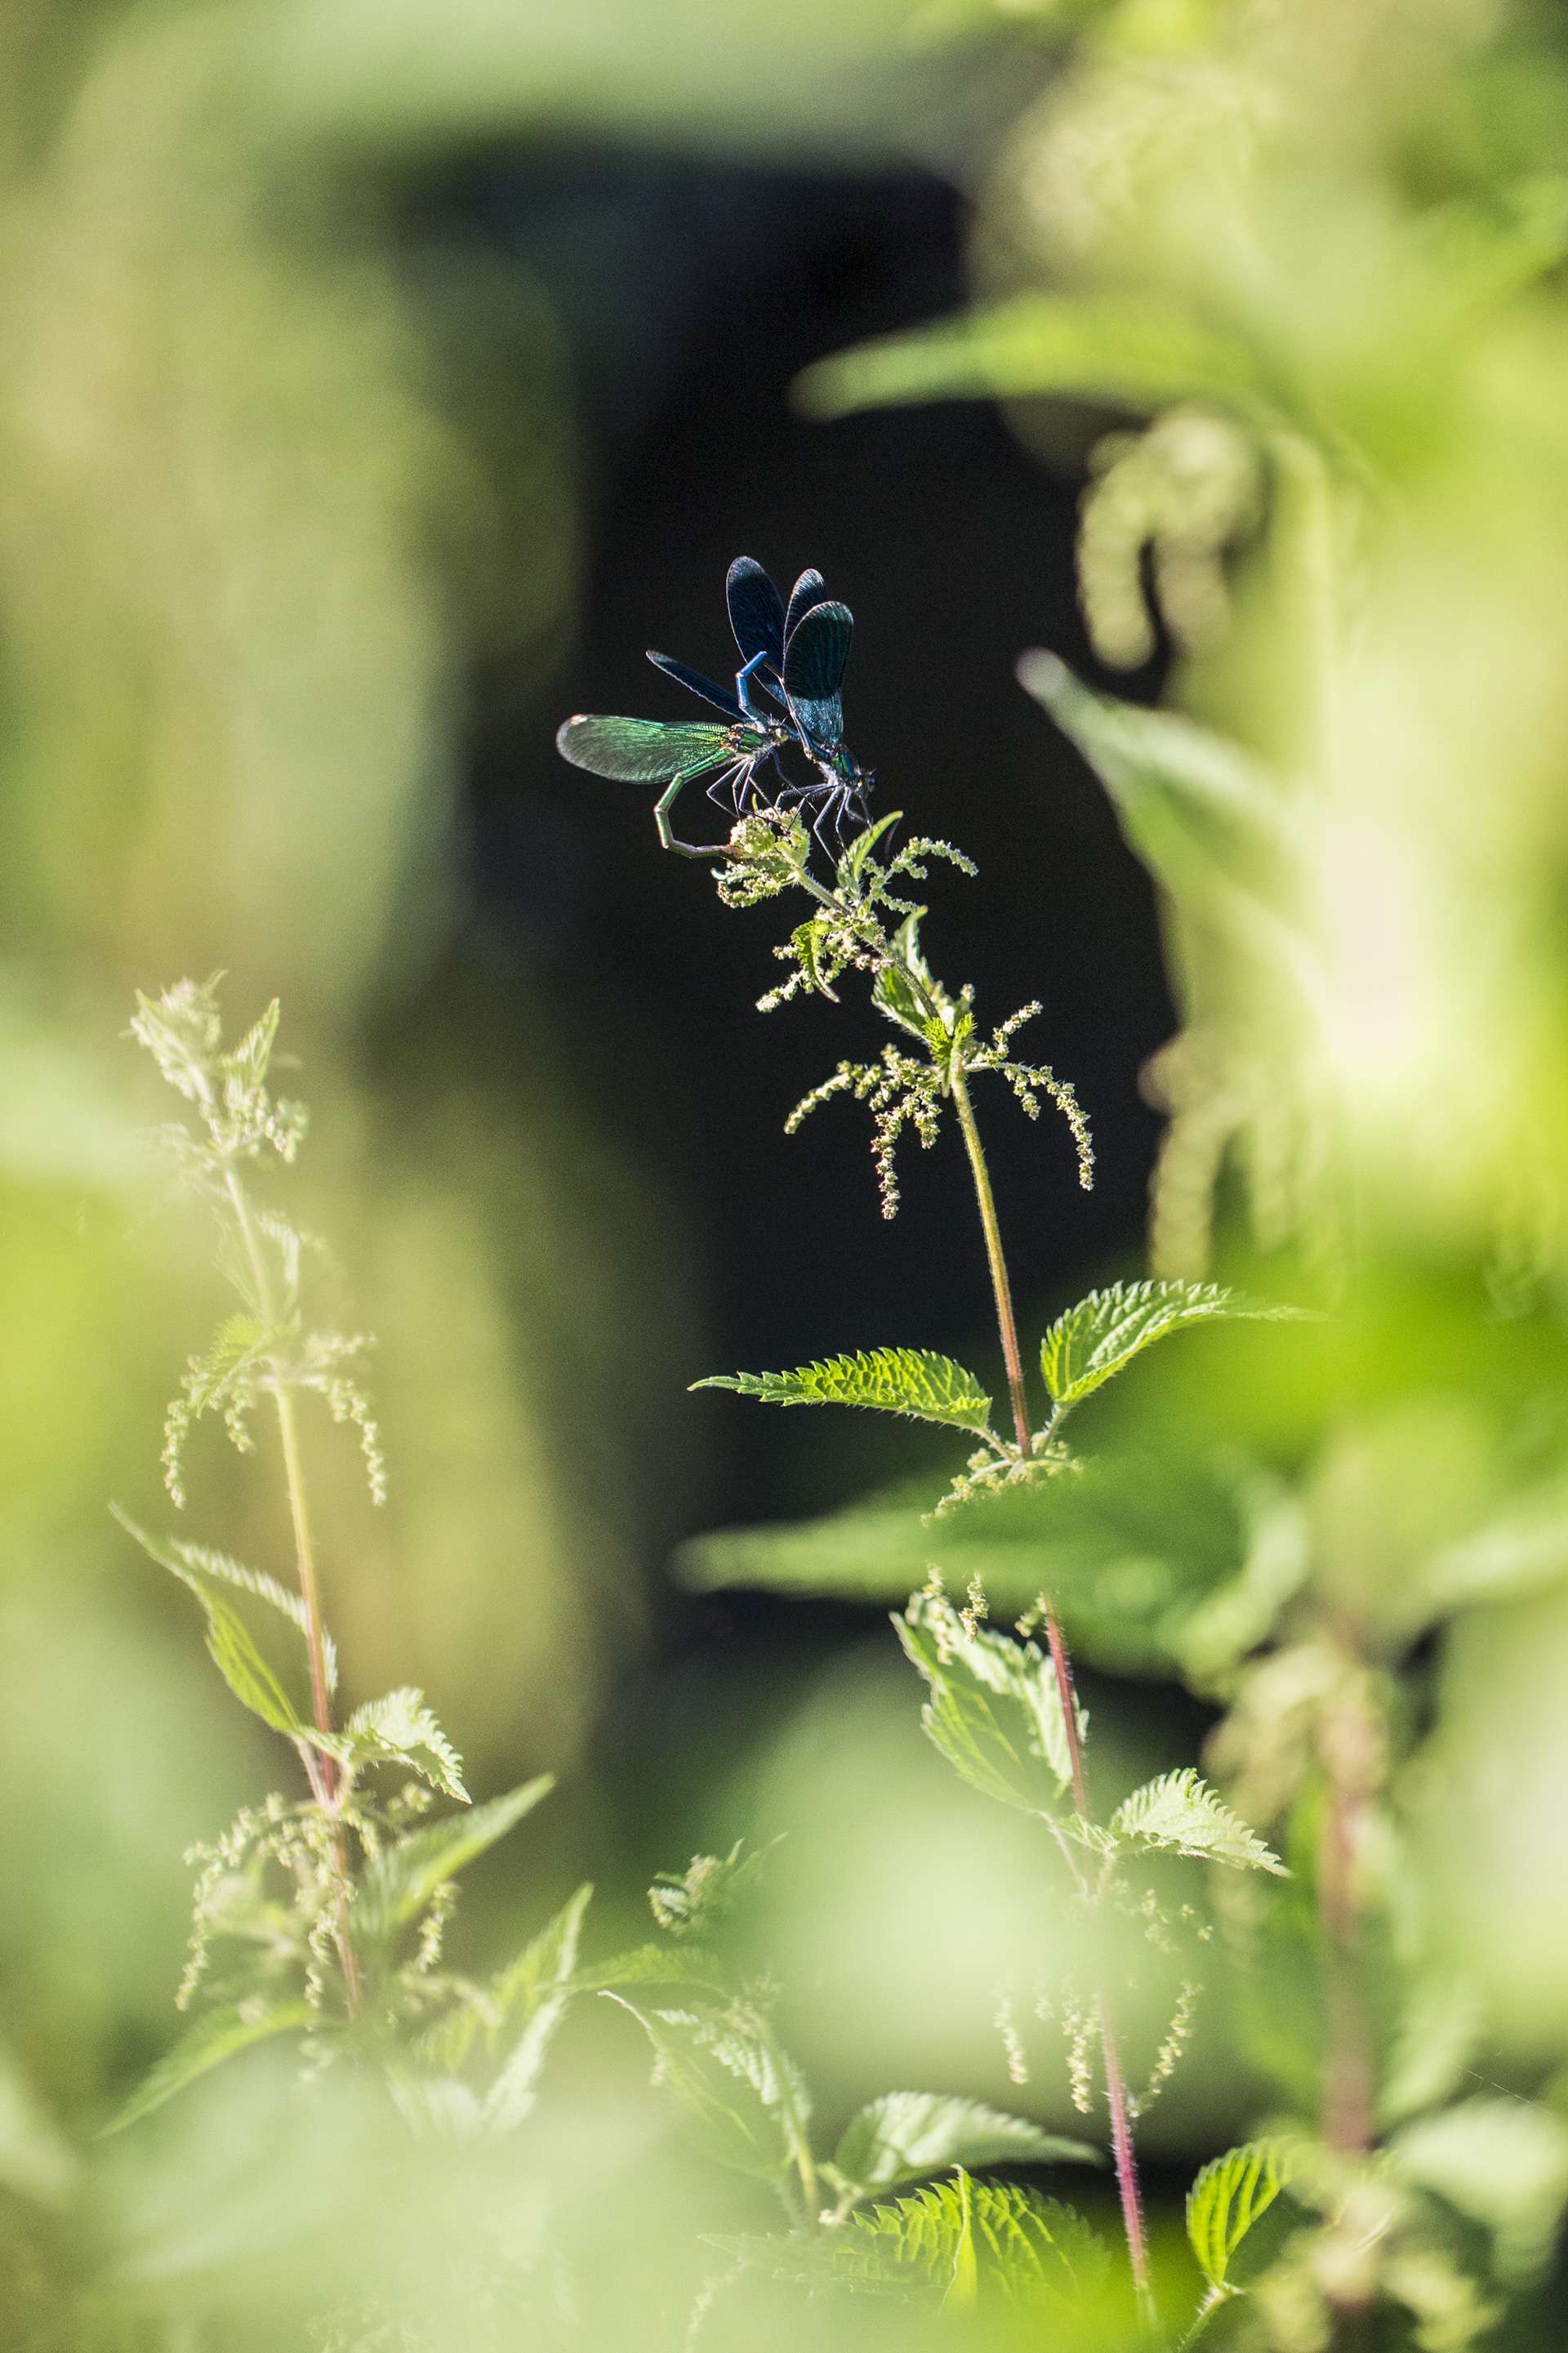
<point x="1348" y="1747"/>
<point x="1116" y="2099"/>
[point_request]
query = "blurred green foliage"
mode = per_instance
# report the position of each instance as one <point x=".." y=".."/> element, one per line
<point x="260" y="511"/>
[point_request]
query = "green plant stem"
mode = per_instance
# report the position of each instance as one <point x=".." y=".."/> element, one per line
<point x="1118" y="2106"/>
<point x="1201" y="2318"/>
<point x="1006" y="1322"/>
<point x="320" y="1767"/>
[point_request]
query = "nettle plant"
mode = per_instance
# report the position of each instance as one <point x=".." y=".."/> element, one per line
<point x="320" y="1912"/>
<point x="1000" y="1704"/>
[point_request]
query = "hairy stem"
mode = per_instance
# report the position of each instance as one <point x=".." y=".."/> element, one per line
<point x="1116" y="2098"/>
<point x="1126" y="2160"/>
<point x="1002" y="1289"/>
<point x="1348" y="1747"/>
<point x="319" y="1769"/>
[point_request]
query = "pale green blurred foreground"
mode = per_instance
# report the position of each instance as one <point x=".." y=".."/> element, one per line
<point x="251" y="530"/>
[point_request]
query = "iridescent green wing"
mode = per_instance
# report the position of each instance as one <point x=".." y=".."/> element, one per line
<point x="643" y="750"/>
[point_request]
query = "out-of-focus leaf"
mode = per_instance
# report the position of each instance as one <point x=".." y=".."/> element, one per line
<point x="693" y="1903"/>
<point x="1225" y="2202"/>
<point x="1133" y="354"/>
<point x="914" y="1381"/>
<point x="905" y="2135"/>
<point x="744" y="2096"/>
<point x="216" y="2036"/>
<point x="1092" y="1342"/>
<point x="230" y="1644"/>
<point x="37" y="2161"/>
<point x="1181" y="1813"/>
<point x="533" y="1996"/>
<point x="1129" y="1548"/>
<point x="1502" y="2162"/>
<point x="993" y="1710"/>
<point x="1207" y="820"/>
<point x="400" y="1880"/>
<point x="1439" y="2028"/>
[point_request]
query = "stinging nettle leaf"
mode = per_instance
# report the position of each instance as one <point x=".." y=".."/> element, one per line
<point x="905" y="2135"/>
<point x="972" y="2243"/>
<point x="230" y="1644"/>
<point x="1180" y="1812"/>
<point x="400" y="1881"/>
<point x="218" y="2034"/>
<point x="531" y="1997"/>
<point x="994" y="1708"/>
<point x="399" y="1728"/>
<point x="1093" y="1341"/>
<point x="1226" y="2200"/>
<point x="1502" y="2162"/>
<point x="743" y="2094"/>
<point x="914" y="1381"/>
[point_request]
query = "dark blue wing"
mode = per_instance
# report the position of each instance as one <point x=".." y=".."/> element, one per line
<point x="813" y="671"/>
<point x="722" y="698"/>
<point x="756" y="611"/>
<point x="807" y="592"/>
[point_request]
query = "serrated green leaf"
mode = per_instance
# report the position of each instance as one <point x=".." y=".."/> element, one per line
<point x="400" y="1881"/>
<point x="1181" y="1813"/>
<point x="808" y="940"/>
<point x="1093" y="1341"/>
<point x="972" y="2243"/>
<point x="1226" y="2200"/>
<point x="230" y="1644"/>
<point x="187" y="1561"/>
<point x="1088" y="347"/>
<point x="531" y="1997"/>
<point x="1502" y="2162"/>
<point x="746" y="2096"/>
<point x="912" y="1382"/>
<point x="216" y="2036"/>
<point x="693" y="1901"/>
<point x="905" y="2135"/>
<point x="247" y="1061"/>
<point x="892" y="992"/>
<point x="993" y="1710"/>
<point x="400" y="1728"/>
<point x="852" y="864"/>
<point x="665" y="1964"/>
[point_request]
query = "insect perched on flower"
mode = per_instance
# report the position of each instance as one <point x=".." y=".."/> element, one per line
<point x="793" y="655"/>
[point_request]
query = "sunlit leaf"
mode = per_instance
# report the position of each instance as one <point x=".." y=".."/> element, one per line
<point x="914" y="1381"/>
<point x="1181" y="1813"/>
<point x="994" y="1707"/>
<point x="906" y="2135"/>
<point x="972" y="2243"/>
<point x="401" y="1728"/>
<point x="1093" y="1341"/>
<point x="1228" y="2198"/>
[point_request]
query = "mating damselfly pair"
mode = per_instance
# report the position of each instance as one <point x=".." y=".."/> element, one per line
<point x="786" y="696"/>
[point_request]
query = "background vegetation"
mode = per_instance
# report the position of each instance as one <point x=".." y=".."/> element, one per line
<point x="377" y="383"/>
